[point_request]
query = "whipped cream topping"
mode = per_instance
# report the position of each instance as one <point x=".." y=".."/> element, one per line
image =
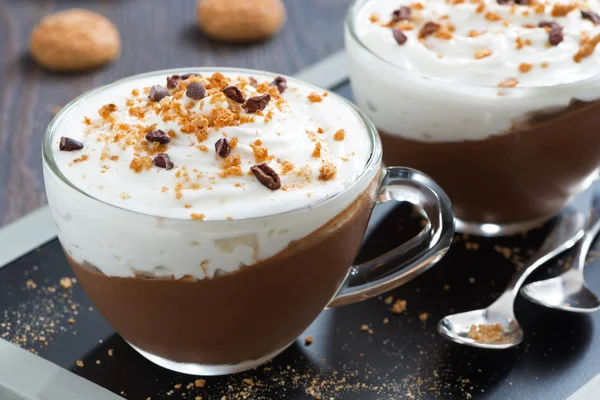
<point x="198" y="218"/>
<point x="486" y="42"/>
<point x="313" y="141"/>
<point x="471" y="69"/>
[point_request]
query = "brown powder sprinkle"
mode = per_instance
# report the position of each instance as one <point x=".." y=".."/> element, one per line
<point x="399" y="307"/>
<point x="327" y="171"/>
<point x="544" y="64"/>
<point x="106" y="110"/>
<point x="80" y="159"/>
<point x="317" y="150"/>
<point x="232" y="166"/>
<point x="66" y="283"/>
<point x="586" y="48"/>
<point x="491" y="16"/>
<point x="560" y="10"/>
<point x="488" y="334"/>
<point x="339" y="135"/>
<point x="315" y="97"/>
<point x="140" y="163"/>
<point x="525" y="67"/>
<point x="197" y="217"/>
<point x="286" y="167"/>
<point x="474" y="33"/>
<point x="199" y="383"/>
<point x="374" y="18"/>
<point x="405" y="25"/>
<point x="443" y="34"/>
<point x="320" y="130"/>
<point x="261" y="154"/>
<point x="482" y="53"/>
<point x="389" y="300"/>
<point x="510" y="82"/>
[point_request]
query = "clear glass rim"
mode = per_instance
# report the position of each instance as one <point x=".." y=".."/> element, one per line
<point x="350" y="25"/>
<point x="373" y="161"/>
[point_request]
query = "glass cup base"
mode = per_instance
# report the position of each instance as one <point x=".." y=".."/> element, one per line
<point x="494" y="230"/>
<point x="206" y="370"/>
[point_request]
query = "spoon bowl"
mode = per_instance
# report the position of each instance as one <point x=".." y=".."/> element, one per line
<point x="458" y="327"/>
<point x="563" y="293"/>
<point x="496" y="326"/>
<point x="568" y="291"/>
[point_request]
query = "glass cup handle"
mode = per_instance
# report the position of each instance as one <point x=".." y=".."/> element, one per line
<point x="413" y="257"/>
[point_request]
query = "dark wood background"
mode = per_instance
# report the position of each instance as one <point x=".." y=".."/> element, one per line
<point x="155" y="34"/>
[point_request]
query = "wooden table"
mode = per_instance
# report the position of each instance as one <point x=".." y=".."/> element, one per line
<point x="156" y="34"/>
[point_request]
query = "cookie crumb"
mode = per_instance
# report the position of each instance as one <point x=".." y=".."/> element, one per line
<point x="399" y="306"/>
<point x="339" y="135"/>
<point x="199" y="383"/>
<point x="308" y="340"/>
<point x="423" y="317"/>
<point x="315" y="97"/>
<point x="66" y="283"/>
<point x="79" y="363"/>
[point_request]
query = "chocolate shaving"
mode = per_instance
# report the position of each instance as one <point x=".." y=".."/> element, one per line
<point x="257" y="103"/>
<point x="222" y="147"/>
<point x="266" y="176"/>
<point x="504" y="2"/>
<point x="399" y="36"/>
<point x="555" y="33"/>
<point x="196" y="90"/>
<point x="429" y="29"/>
<point x="401" y="14"/>
<point x="253" y="81"/>
<point x="173" y="81"/>
<point x="592" y="16"/>
<point x="187" y="76"/>
<point x="234" y="93"/>
<point x="281" y="84"/>
<point x="158" y="136"/>
<point x="68" y="144"/>
<point x="523" y="2"/>
<point x="162" y="160"/>
<point x="157" y="93"/>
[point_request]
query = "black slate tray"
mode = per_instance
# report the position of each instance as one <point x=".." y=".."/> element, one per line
<point x="402" y="359"/>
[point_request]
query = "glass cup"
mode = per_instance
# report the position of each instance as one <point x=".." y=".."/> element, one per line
<point x="238" y="320"/>
<point x="509" y="158"/>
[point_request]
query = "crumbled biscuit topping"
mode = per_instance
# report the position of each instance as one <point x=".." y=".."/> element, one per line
<point x="195" y="112"/>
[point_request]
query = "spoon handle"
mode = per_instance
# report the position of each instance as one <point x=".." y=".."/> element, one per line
<point x="584" y="245"/>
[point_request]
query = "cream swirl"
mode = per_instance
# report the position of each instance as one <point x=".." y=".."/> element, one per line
<point x="315" y="143"/>
<point x="486" y="42"/>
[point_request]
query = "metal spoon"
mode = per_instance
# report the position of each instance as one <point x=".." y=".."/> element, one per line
<point x="568" y="291"/>
<point x="566" y="232"/>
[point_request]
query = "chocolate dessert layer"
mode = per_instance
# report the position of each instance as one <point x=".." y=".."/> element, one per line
<point x="525" y="175"/>
<point x="239" y="316"/>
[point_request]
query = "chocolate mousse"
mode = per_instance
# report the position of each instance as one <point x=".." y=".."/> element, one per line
<point x="255" y="311"/>
<point x="528" y="174"/>
<point x="495" y="100"/>
<point x="210" y="217"/>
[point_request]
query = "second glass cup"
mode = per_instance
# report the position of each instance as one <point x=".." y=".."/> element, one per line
<point x="510" y="158"/>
